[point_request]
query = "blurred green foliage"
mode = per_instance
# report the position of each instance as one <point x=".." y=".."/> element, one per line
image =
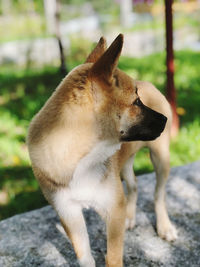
<point x="19" y="190"/>
<point x="22" y="28"/>
<point x="23" y="92"/>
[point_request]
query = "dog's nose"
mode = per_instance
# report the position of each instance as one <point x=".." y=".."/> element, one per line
<point x="164" y="119"/>
<point x="149" y="128"/>
<point x="159" y="122"/>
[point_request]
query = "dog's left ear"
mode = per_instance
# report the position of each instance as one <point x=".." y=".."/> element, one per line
<point x="97" y="51"/>
<point x="104" y="67"/>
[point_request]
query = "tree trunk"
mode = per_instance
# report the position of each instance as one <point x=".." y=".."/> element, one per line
<point x="63" y="67"/>
<point x="171" y="92"/>
<point x="125" y="13"/>
<point x="50" y="9"/>
<point x="52" y="13"/>
<point x="6" y="7"/>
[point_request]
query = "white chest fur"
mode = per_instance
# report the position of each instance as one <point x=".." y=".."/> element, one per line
<point x="93" y="165"/>
<point x="87" y="187"/>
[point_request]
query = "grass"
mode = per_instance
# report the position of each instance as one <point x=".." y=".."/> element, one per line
<point x="23" y="92"/>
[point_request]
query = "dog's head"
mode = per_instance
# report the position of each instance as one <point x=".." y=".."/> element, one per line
<point x="119" y="111"/>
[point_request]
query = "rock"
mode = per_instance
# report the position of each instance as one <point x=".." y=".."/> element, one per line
<point x="36" y="238"/>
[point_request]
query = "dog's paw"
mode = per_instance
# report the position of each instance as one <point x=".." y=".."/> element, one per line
<point x="168" y="232"/>
<point x="130" y="223"/>
<point x="87" y="262"/>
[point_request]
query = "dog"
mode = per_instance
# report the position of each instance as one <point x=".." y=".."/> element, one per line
<point x="82" y="143"/>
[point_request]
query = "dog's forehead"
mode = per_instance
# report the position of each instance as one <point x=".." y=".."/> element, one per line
<point x="125" y="81"/>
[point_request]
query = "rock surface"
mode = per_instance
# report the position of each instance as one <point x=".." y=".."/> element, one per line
<point x="36" y="238"/>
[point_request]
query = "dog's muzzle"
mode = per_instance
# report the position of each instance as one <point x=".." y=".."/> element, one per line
<point x="149" y="128"/>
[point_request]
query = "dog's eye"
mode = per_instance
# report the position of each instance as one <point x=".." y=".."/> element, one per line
<point x="116" y="81"/>
<point x="137" y="102"/>
<point x="119" y="116"/>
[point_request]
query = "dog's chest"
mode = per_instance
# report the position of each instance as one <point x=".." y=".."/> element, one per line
<point x="88" y="186"/>
<point x="94" y="165"/>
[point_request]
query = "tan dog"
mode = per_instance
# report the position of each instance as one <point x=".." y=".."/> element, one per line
<point x="79" y="143"/>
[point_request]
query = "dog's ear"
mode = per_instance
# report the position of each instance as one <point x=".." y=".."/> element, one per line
<point x="106" y="64"/>
<point x="97" y="51"/>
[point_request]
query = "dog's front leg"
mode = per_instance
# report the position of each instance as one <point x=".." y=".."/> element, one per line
<point x="115" y="230"/>
<point x="131" y="183"/>
<point x="73" y="222"/>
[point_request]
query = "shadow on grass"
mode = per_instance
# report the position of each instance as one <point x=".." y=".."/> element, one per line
<point x="24" y="93"/>
<point x="22" y="190"/>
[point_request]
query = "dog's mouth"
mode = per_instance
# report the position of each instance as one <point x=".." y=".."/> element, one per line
<point x="149" y="128"/>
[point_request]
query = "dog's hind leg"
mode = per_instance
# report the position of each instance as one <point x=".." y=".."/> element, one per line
<point x="159" y="151"/>
<point x="73" y="222"/>
<point x="128" y="175"/>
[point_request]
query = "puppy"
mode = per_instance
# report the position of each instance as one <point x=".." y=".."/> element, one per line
<point x="81" y="141"/>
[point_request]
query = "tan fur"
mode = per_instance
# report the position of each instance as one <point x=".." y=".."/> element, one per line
<point x="74" y="145"/>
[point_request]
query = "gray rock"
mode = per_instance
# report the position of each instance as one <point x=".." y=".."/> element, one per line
<point x="36" y="238"/>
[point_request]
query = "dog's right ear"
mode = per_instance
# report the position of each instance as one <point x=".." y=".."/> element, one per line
<point x="97" y="51"/>
<point x="104" y="67"/>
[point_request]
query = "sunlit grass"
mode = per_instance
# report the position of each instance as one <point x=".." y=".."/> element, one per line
<point x="186" y="147"/>
<point x="12" y="141"/>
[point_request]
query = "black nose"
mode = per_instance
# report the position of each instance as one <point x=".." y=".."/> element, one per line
<point x="148" y="128"/>
<point x="157" y="121"/>
<point x="154" y="123"/>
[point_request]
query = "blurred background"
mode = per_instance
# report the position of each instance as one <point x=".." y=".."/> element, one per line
<point x="42" y="40"/>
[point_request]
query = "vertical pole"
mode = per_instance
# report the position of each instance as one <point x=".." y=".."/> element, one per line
<point x="171" y="92"/>
<point x="125" y="13"/>
<point x="6" y="7"/>
<point x="63" y="67"/>
<point x="49" y="8"/>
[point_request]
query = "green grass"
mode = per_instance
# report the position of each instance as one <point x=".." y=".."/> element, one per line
<point x="186" y="147"/>
<point x="23" y="92"/>
<point x="22" y="191"/>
